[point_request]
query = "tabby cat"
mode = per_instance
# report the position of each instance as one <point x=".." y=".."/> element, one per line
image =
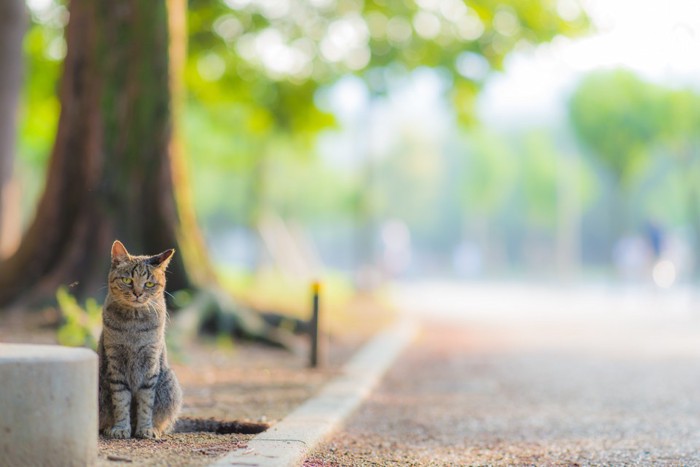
<point x="139" y="394"/>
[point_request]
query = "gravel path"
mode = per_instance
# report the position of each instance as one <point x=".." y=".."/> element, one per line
<point x="561" y="389"/>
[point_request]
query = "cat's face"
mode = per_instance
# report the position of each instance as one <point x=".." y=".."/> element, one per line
<point x="137" y="280"/>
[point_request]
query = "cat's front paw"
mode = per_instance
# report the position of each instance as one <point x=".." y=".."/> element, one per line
<point x="147" y="433"/>
<point x="118" y="432"/>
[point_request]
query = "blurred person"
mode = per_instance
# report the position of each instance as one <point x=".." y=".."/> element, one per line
<point x="467" y="259"/>
<point x="632" y="257"/>
<point x="668" y="255"/>
<point x="396" y="248"/>
<point x="655" y="236"/>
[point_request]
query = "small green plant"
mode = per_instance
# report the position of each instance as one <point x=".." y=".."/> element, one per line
<point x="81" y="327"/>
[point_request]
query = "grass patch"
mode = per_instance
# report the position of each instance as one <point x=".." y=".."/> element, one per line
<point x="81" y="323"/>
<point x="343" y="310"/>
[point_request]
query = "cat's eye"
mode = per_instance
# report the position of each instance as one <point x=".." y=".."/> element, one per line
<point x="127" y="280"/>
<point x="150" y="284"/>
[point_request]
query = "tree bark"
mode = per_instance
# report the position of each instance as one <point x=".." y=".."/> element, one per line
<point x="13" y="22"/>
<point x="110" y="174"/>
<point x="189" y="238"/>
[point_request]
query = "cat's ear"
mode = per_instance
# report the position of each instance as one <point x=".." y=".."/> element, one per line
<point x="119" y="252"/>
<point x="161" y="260"/>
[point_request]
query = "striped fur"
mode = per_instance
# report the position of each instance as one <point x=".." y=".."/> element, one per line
<point x="138" y="393"/>
<point x="190" y="425"/>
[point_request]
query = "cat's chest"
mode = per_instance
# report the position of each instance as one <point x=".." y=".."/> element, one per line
<point x="132" y="327"/>
<point x="138" y="359"/>
<point x="137" y="346"/>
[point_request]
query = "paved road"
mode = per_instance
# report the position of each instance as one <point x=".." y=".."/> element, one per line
<point x="535" y="377"/>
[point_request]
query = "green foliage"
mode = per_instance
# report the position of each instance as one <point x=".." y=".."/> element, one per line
<point x="234" y="174"/>
<point x="522" y="177"/>
<point x="82" y="324"/>
<point x="680" y="139"/>
<point x="680" y="122"/>
<point x="490" y="173"/>
<point x="411" y="178"/>
<point x="648" y="137"/>
<point x="539" y="171"/>
<point x="306" y="189"/>
<point x="44" y="48"/>
<point x="618" y="117"/>
<point x="663" y="195"/>
<point x="276" y="55"/>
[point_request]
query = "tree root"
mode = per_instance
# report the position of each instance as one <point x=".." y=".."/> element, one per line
<point x="212" y="311"/>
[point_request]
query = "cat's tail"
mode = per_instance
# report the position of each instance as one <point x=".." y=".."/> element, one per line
<point x="211" y="425"/>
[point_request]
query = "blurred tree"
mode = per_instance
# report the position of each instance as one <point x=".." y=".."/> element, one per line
<point x="253" y="43"/>
<point x="265" y="60"/>
<point x="115" y="170"/>
<point x="490" y="173"/>
<point x="110" y="174"/>
<point x="529" y="186"/>
<point x="618" y="117"/>
<point x="539" y="165"/>
<point x="44" y="51"/>
<point x="13" y="22"/>
<point x="557" y="188"/>
<point x="680" y="134"/>
<point x="490" y="179"/>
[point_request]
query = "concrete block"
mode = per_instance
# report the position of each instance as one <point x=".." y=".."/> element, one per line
<point x="48" y="405"/>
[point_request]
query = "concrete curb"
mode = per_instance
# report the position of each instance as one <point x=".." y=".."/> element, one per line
<point x="48" y="405"/>
<point x="288" y="442"/>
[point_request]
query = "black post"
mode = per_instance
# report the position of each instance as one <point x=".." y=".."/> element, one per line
<point x="314" y="356"/>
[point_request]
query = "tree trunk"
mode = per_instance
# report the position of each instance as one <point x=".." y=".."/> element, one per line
<point x="618" y="215"/>
<point x="13" y="22"/>
<point x="568" y="240"/>
<point x="189" y="238"/>
<point x="110" y="174"/>
<point x="689" y="172"/>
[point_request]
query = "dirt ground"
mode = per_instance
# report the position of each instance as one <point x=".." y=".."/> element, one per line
<point x="246" y="382"/>
<point x="222" y="379"/>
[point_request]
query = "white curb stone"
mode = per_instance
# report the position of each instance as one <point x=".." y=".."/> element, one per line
<point x="48" y="405"/>
<point x="288" y="442"/>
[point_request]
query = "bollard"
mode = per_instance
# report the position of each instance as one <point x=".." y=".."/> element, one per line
<point x="316" y="356"/>
<point x="48" y="405"/>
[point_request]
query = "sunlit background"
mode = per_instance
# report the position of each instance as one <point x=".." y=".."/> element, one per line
<point x="318" y="146"/>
